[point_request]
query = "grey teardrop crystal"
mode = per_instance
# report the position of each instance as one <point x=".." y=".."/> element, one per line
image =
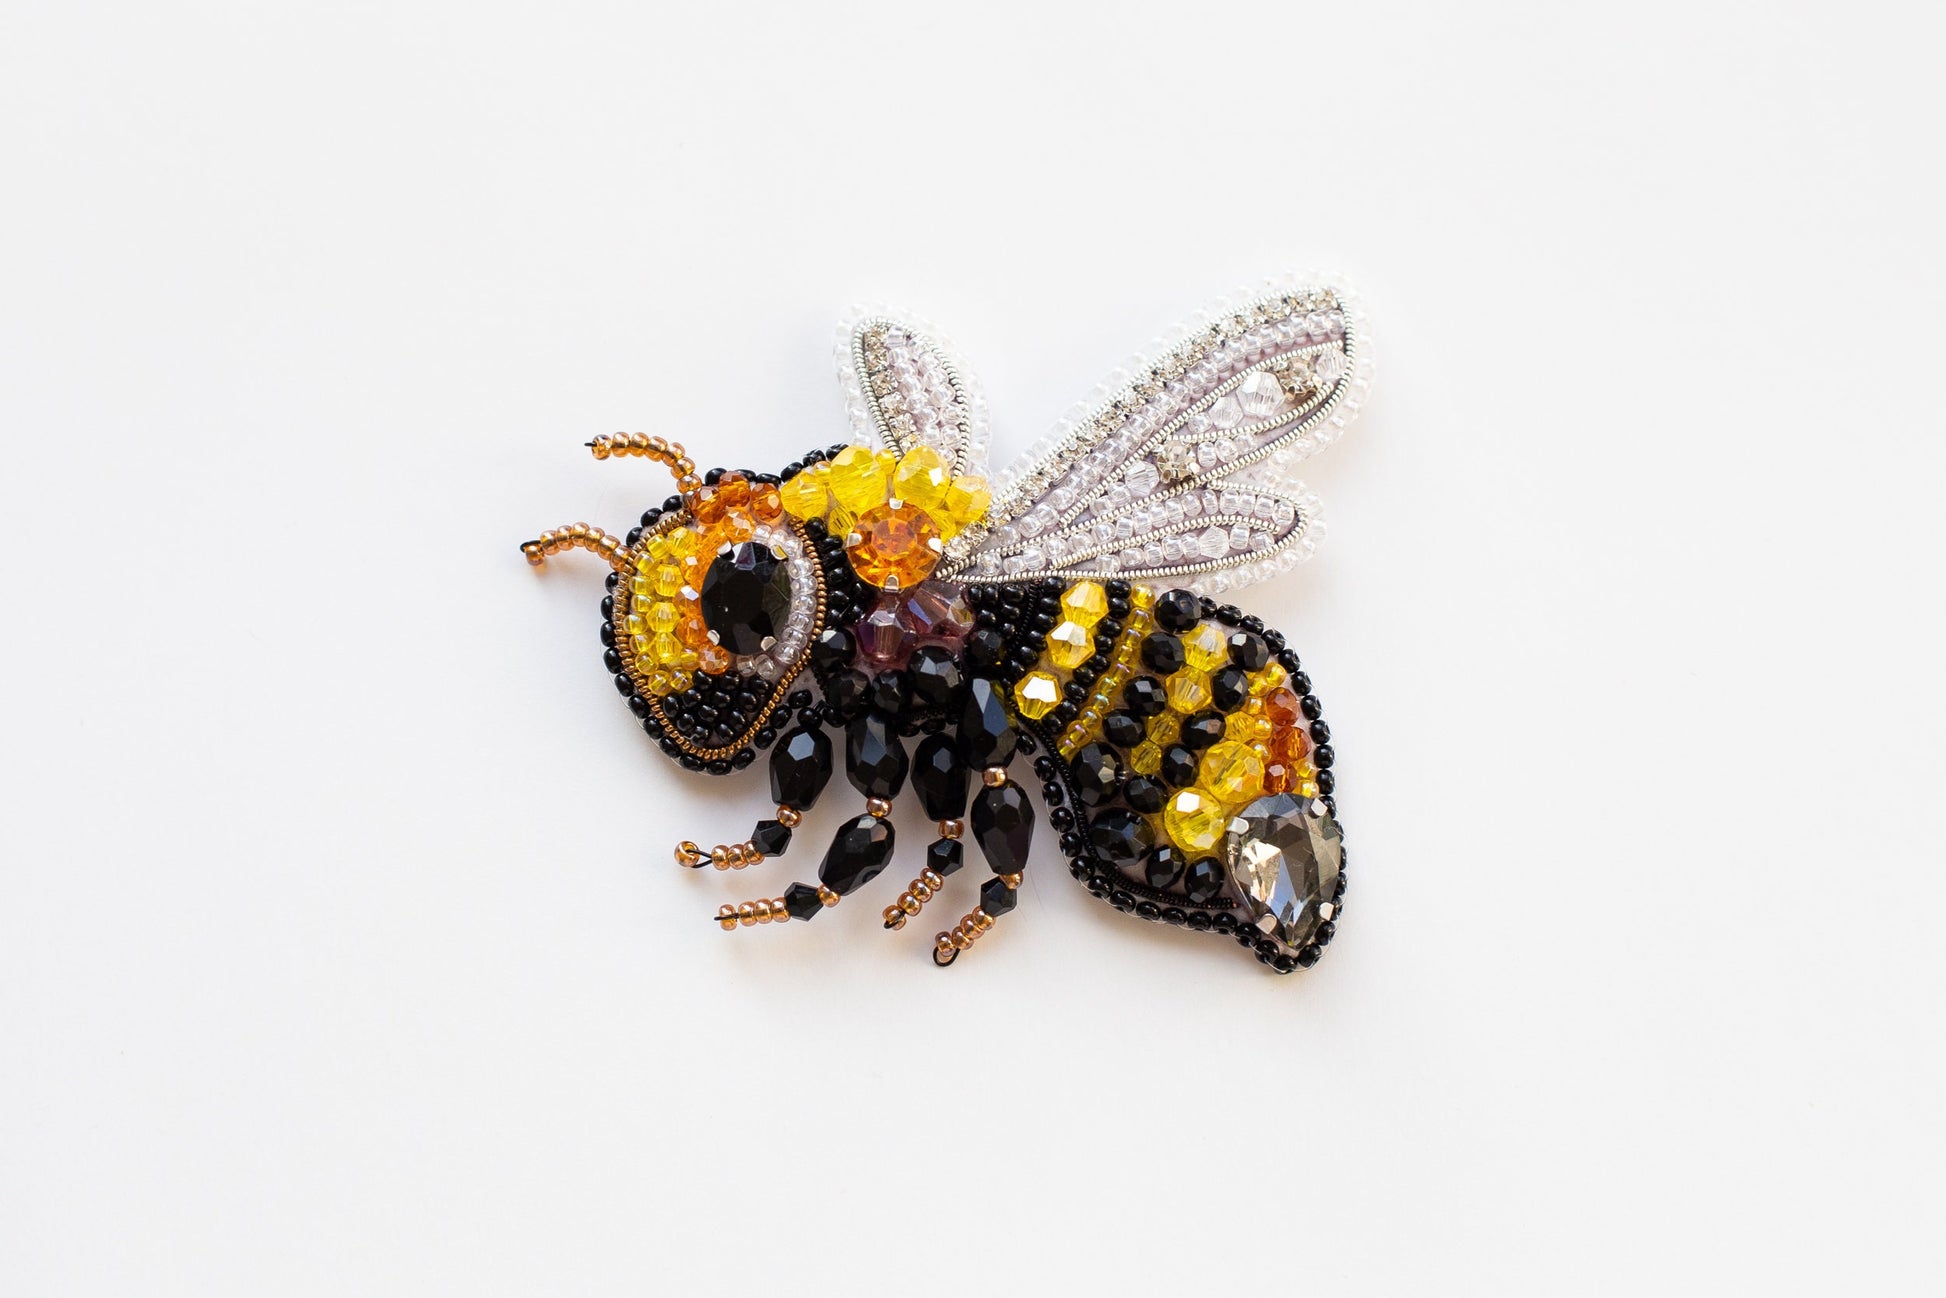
<point x="1284" y="855"/>
<point x="1003" y="826"/>
<point x="858" y="852"/>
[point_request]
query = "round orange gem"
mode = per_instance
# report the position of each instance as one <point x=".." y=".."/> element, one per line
<point x="713" y="659"/>
<point x="734" y="489"/>
<point x="767" y="505"/>
<point x="706" y="506"/>
<point x="895" y="548"/>
<point x="1281" y="706"/>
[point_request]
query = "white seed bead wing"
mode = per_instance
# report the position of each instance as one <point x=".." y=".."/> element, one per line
<point x="1138" y="488"/>
<point x="904" y="387"/>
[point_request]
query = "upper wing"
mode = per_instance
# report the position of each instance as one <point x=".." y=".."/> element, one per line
<point x="1183" y="472"/>
<point x="905" y="388"/>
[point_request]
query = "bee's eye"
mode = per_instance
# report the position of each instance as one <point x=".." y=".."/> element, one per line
<point x="717" y="615"/>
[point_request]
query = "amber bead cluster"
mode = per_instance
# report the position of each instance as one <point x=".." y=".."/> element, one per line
<point x="895" y="513"/>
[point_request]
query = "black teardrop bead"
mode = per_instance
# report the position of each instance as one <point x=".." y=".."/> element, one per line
<point x="875" y="759"/>
<point x="935" y="676"/>
<point x="1003" y="826"/>
<point x="800" y="767"/>
<point x="986" y="728"/>
<point x="860" y="850"/>
<point x="940" y="776"/>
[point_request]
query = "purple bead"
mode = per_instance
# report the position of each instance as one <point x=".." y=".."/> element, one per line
<point x="883" y="638"/>
<point x="938" y="611"/>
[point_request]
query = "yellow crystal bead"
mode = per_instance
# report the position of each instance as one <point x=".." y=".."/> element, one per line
<point x="1204" y="648"/>
<point x="662" y="682"/>
<point x="1307" y="788"/>
<point x="663" y="616"/>
<point x="1241" y="726"/>
<point x="1233" y="772"/>
<point x="1069" y="645"/>
<point x="1085" y="602"/>
<point x="840" y="521"/>
<point x="1187" y="690"/>
<point x="1270" y="678"/>
<point x="668" y="579"/>
<point x="641" y="588"/>
<point x="922" y="478"/>
<point x="680" y="681"/>
<point x="967" y="499"/>
<point x="1165" y="728"/>
<point x="666" y="649"/>
<point x="1142" y="598"/>
<point x="635" y="624"/>
<point x="805" y="495"/>
<point x="1036" y="694"/>
<point x="1146" y="758"/>
<point x="640" y="644"/>
<point x="1194" y="820"/>
<point x="861" y="478"/>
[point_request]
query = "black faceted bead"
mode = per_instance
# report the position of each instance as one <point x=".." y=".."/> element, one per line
<point x="986" y="728"/>
<point x="1203" y="880"/>
<point x="1178" y="766"/>
<point x="1121" y="836"/>
<point x="996" y="898"/>
<point x="861" y="849"/>
<point x="1003" y="826"/>
<point x="849" y="690"/>
<point x="888" y="693"/>
<point x="1177" y="610"/>
<point x="935" y="676"/>
<point x="802" y="901"/>
<point x="1144" y="794"/>
<point x="800" y="767"/>
<point x="1163" y="867"/>
<point x="1123" y="729"/>
<point x="1097" y="774"/>
<point x="985" y="647"/>
<point x="1202" y="730"/>
<point x="1249" y="651"/>
<point x="1162" y="652"/>
<point x="875" y="759"/>
<point x="833" y="650"/>
<point x="945" y="855"/>
<point x="1229" y="688"/>
<point x="940" y="776"/>
<point x="1144" y="697"/>
<point x="746" y="597"/>
<point x="770" y="837"/>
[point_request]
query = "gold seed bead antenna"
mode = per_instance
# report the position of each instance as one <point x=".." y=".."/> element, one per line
<point x="575" y="536"/>
<point x="660" y="449"/>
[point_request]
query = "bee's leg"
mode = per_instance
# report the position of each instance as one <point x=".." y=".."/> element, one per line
<point x="768" y="839"/>
<point x="943" y="858"/>
<point x="858" y="852"/>
<point x="1003" y="826"/>
<point x="575" y="536"/>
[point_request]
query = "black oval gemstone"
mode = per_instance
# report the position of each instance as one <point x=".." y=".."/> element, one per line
<point x="1122" y="729"/>
<point x="858" y="852"/>
<point x="1144" y="697"/>
<point x="935" y="676"/>
<point x="1003" y="826"/>
<point x="986" y="728"/>
<point x="1162" y="652"/>
<point x="1144" y="794"/>
<point x="800" y="767"/>
<point x="1177" y="610"/>
<point x="1097" y="774"/>
<point x="746" y="597"/>
<point x="940" y="776"/>
<point x="1229" y="688"/>
<point x="1121" y="836"/>
<point x="1203" y="880"/>
<point x="875" y="760"/>
<point x="1178" y="766"/>
<point x="1202" y="730"/>
<point x="1163" y="867"/>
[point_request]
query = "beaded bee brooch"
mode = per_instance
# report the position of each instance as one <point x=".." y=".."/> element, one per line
<point x="1070" y="612"/>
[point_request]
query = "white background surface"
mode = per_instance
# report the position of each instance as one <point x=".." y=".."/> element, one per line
<point x="340" y="950"/>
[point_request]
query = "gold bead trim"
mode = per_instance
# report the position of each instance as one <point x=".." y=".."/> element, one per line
<point x="575" y="536"/>
<point x="917" y="893"/>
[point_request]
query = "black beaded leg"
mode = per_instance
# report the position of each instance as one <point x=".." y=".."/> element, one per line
<point x="769" y="838"/>
<point x="1002" y="821"/>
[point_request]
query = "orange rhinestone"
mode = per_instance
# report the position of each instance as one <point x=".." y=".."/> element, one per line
<point x="896" y="548"/>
